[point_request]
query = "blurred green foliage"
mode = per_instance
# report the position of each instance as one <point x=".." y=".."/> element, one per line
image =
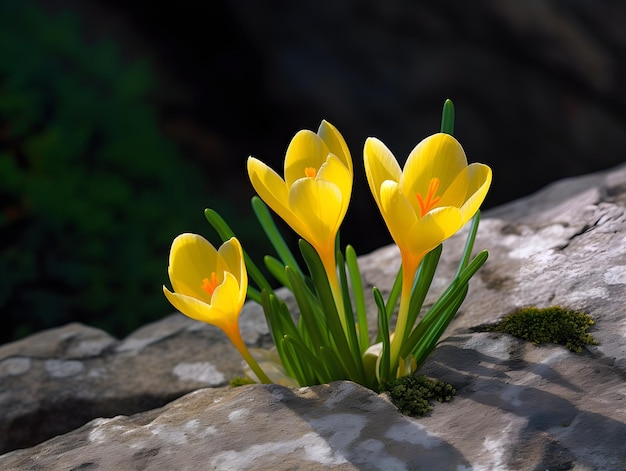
<point x="91" y="194"/>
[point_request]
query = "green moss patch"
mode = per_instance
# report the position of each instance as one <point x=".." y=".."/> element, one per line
<point x="240" y="381"/>
<point x="549" y="325"/>
<point x="414" y="395"/>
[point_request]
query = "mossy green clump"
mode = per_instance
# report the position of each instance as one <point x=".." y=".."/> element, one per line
<point x="414" y="395"/>
<point x="240" y="381"/>
<point x="549" y="325"/>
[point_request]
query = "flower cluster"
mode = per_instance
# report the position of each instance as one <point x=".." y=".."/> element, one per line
<point x="422" y="204"/>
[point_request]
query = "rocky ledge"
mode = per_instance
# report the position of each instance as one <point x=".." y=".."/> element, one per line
<point x="159" y="399"/>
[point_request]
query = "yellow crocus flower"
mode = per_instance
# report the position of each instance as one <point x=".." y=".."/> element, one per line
<point x="314" y="195"/>
<point x="424" y="204"/>
<point x="210" y="286"/>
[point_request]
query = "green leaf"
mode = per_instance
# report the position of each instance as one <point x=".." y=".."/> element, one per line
<point x="353" y="340"/>
<point x="316" y="371"/>
<point x="277" y="269"/>
<point x="254" y="294"/>
<point x="305" y="299"/>
<point x="384" y="364"/>
<point x="322" y="286"/>
<point x="449" y="297"/>
<point x="291" y="352"/>
<point x="392" y="300"/>
<point x="447" y="117"/>
<point x="469" y="244"/>
<point x="429" y="340"/>
<point x="279" y="322"/>
<point x="333" y="364"/>
<point x="359" y="297"/>
<point x="225" y="233"/>
<point x="267" y="223"/>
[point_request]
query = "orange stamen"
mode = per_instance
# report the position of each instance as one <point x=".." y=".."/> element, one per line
<point x="310" y="172"/>
<point x="210" y="285"/>
<point x="431" y="199"/>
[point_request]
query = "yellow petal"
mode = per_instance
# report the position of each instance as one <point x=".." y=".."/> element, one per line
<point x="306" y="149"/>
<point x="397" y="213"/>
<point x="438" y="156"/>
<point x="334" y="171"/>
<point x="320" y="204"/>
<point x="431" y="230"/>
<point x="269" y="186"/>
<point x="380" y="165"/>
<point x="416" y="236"/>
<point x="313" y="198"/>
<point x="195" y="309"/>
<point x="274" y="192"/>
<point x="192" y="258"/>
<point x="232" y="254"/>
<point x="456" y="193"/>
<point x="335" y="143"/>
<point x="479" y="176"/>
<point x="226" y="302"/>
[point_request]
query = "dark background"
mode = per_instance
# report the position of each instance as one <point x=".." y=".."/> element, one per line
<point x="537" y="87"/>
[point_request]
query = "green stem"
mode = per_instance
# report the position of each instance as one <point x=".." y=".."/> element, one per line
<point x="255" y="366"/>
<point x="273" y="234"/>
<point x="409" y="267"/>
<point x="245" y="353"/>
<point x="330" y="267"/>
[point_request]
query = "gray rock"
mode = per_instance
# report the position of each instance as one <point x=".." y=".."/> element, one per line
<point x="518" y="406"/>
<point x="564" y="245"/>
<point x="59" y="379"/>
<point x="338" y="426"/>
<point x="524" y="407"/>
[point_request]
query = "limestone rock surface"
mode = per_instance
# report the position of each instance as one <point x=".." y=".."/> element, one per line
<point x="57" y="380"/>
<point x="339" y="426"/>
<point x="518" y="406"/>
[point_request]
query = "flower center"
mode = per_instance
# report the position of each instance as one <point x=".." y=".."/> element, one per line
<point x="210" y="285"/>
<point x="310" y="172"/>
<point x="431" y="200"/>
